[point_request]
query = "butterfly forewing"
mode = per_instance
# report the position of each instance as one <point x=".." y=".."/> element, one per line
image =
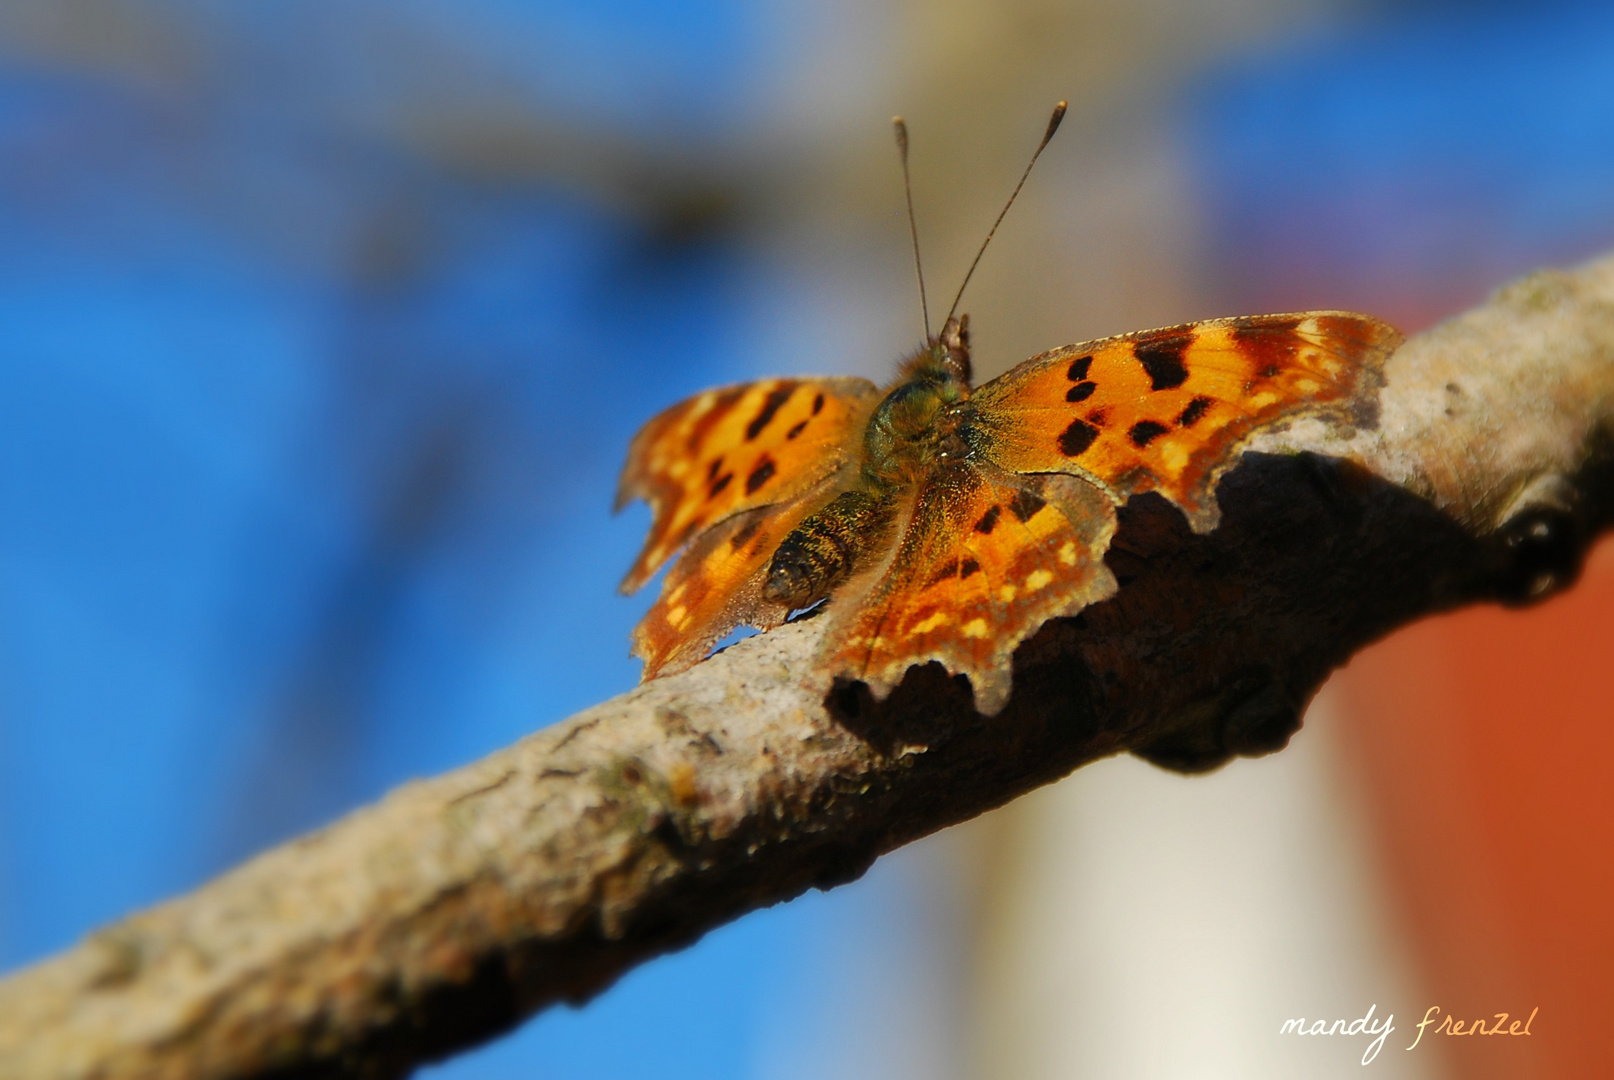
<point x="1167" y="410"/>
<point x="730" y="450"/>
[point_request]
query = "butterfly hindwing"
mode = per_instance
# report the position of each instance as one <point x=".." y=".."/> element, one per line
<point x="733" y="449"/>
<point x="716" y="585"/>
<point x="1167" y="410"/>
<point x="984" y="559"/>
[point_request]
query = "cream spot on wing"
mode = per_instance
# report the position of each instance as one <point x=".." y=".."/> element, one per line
<point x="1007" y="593"/>
<point x="676" y="615"/>
<point x="937" y="619"/>
<point x="702" y="405"/>
<point x="1037" y="579"/>
<point x="673" y="597"/>
<point x="1307" y="386"/>
<point x="1175" y="457"/>
<point x="1067" y="554"/>
<point x="1261" y="401"/>
<point x="679" y="468"/>
<point x="975" y="628"/>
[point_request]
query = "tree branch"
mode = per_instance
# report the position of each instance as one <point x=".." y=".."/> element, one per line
<point x="457" y="906"/>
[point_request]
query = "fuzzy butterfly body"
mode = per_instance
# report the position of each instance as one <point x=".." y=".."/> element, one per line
<point x="947" y="523"/>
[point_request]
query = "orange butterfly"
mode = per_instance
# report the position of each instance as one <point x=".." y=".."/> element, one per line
<point x="947" y="522"/>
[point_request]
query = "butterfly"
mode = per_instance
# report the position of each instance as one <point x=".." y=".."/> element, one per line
<point x="947" y="522"/>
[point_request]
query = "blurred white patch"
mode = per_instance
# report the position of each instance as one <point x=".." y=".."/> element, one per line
<point x="1144" y="924"/>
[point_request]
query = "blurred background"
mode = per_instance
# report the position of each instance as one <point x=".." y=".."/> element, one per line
<point x="323" y="329"/>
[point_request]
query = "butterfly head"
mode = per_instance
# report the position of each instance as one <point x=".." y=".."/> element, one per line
<point x="945" y="358"/>
<point x="915" y="424"/>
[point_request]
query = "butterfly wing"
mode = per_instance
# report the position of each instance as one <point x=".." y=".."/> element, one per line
<point x="985" y="559"/>
<point x="734" y="449"/>
<point x="716" y="584"/>
<point x="1168" y="410"/>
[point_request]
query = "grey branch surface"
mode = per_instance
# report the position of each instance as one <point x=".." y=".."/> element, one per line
<point x="459" y="905"/>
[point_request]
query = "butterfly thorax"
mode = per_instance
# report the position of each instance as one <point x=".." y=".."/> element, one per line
<point x="915" y="428"/>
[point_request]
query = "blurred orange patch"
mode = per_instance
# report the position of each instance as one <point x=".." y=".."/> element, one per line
<point x="1486" y="739"/>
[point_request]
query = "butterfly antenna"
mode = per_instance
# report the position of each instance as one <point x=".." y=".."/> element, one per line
<point x="913" y="227"/>
<point x="1053" y="126"/>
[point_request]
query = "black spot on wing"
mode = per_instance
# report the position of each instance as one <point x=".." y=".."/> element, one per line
<point x="1077" y="438"/>
<point x="950" y="570"/>
<point x="968" y="567"/>
<point x="1078" y="368"/>
<point x="1146" y="431"/>
<point x="718" y="485"/>
<point x="759" y="476"/>
<point x="1081" y="391"/>
<point x="989" y="520"/>
<point x="1161" y="358"/>
<point x="770" y="405"/>
<point x="818" y="404"/>
<point x="717" y="463"/>
<point x="796" y="429"/>
<point x="1025" y="505"/>
<point x="1195" y="410"/>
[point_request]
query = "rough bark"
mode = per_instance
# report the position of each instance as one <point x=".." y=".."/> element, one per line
<point x="457" y="906"/>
